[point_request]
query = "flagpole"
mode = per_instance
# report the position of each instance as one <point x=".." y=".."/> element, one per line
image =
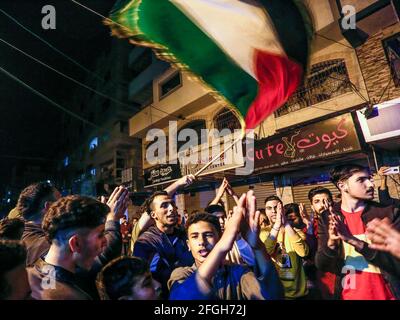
<point x="218" y="156"/>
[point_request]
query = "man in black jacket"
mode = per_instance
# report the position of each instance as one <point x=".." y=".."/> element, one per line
<point x="75" y="227"/>
<point x="363" y="273"/>
<point x="163" y="245"/>
<point x="33" y="203"/>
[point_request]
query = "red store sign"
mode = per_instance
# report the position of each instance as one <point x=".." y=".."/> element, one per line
<point x="321" y="140"/>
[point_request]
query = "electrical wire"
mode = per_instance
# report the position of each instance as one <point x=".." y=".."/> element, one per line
<point x="69" y="112"/>
<point x="64" y="75"/>
<point x="100" y="15"/>
<point x="60" y="52"/>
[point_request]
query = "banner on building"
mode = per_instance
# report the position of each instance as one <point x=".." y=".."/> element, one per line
<point x="191" y="162"/>
<point x="161" y="174"/>
<point x="322" y="140"/>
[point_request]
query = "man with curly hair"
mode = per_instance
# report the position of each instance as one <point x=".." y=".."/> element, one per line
<point x="32" y="204"/>
<point x="13" y="278"/>
<point x="74" y="225"/>
<point x="127" y="278"/>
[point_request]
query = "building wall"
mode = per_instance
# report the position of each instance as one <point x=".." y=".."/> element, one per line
<point x="375" y="66"/>
<point x="367" y="68"/>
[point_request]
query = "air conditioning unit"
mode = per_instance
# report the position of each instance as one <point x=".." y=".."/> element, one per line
<point x="381" y="122"/>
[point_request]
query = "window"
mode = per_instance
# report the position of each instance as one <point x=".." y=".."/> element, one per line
<point x="226" y="119"/>
<point x="392" y="50"/>
<point x="93" y="143"/>
<point x="170" y="85"/>
<point x="327" y="80"/>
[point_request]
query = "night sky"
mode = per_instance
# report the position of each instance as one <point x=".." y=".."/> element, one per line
<point x="29" y="126"/>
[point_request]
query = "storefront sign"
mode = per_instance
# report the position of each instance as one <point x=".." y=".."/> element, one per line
<point x="325" y="139"/>
<point x="161" y="174"/>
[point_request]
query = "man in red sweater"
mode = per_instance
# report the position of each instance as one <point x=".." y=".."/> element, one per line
<point x="362" y="273"/>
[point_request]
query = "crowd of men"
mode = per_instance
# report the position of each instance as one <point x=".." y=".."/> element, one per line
<point x="81" y="248"/>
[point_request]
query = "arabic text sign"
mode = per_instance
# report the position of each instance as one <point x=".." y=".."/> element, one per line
<point x="161" y="174"/>
<point x="317" y="141"/>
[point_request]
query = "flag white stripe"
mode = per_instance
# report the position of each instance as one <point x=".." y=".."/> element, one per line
<point x="226" y="21"/>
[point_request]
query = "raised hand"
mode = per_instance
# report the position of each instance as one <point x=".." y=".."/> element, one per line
<point x="118" y="203"/>
<point x="233" y="224"/>
<point x="382" y="170"/>
<point x="383" y="236"/>
<point x="304" y="215"/>
<point x="341" y="228"/>
<point x="222" y="188"/>
<point x="333" y="237"/>
<point x="252" y="234"/>
<point x="280" y="215"/>
<point x="187" y="180"/>
<point x="327" y="205"/>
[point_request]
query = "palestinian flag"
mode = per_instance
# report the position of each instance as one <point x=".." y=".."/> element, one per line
<point x="251" y="54"/>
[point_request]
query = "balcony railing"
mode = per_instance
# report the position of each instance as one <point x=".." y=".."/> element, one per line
<point x="226" y="119"/>
<point x="326" y="80"/>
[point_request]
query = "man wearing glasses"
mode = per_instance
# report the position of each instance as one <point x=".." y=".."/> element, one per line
<point x="163" y="245"/>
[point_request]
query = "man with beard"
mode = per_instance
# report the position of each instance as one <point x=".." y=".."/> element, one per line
<point x="287" y="246"/>
<point x="323" y="283"/>
<point x="362" y="273"/>
<point x="163" y="245"/>
<point x="319" y="198"/>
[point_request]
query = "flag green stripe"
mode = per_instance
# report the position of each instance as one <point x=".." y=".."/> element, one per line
<point x="184" y="40"/>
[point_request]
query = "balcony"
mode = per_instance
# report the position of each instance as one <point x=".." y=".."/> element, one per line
<point x="326" y="81"/>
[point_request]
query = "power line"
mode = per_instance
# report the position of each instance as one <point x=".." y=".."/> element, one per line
<point x="60" y="52"/>
<point x="95" y="12"/>
<point x="73" y="61"/>
<point x="106" y="18"/>
<point x="64" y="75"/>
<point x="72" y="114"/>
<point x="320" y="35"/>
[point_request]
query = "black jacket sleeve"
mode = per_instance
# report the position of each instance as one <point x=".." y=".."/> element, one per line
<point x="385" y="198"/>
<point x="326" y="259"/>
<point x="381" y="259"/>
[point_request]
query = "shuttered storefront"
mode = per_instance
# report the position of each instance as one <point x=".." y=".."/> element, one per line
<point x="198" y="200"/>
<point x="300" y="193"/>
<point x="261" y="191"/>
<point x="238" y="190"/>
